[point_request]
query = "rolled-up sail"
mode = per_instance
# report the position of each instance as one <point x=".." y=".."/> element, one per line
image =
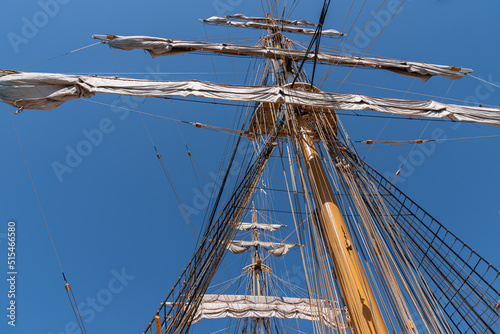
<point x="271" y="26"/>
<point x="262" y="227"/>
<point x="242" y="306"/>
<point x="270" y="20"/>
<point x="157" y="46"/>
<point x="273" y="248"/>
<point x="46" y="91"/>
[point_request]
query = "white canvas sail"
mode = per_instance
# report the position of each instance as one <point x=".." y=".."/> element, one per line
<point x="262" y="227"/>
<point x="46" y="91"/>
<point x="157" y="46"/>
<point x="271" y="19"/>
<point x="243" y="306"/>
<point x="273" y="248"/>
<point x="271" y="26"/>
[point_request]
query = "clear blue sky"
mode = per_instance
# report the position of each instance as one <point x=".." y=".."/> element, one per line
<point x="115" y="213"/>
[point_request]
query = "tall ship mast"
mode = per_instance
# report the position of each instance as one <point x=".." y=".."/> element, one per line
<point x="374" y="261"/>
<point x="259" y="306"/>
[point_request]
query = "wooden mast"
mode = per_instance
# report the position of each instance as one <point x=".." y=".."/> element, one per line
<point x="257" y="268"/>
<point x="354" y="285"/>
<point x="363" y="308"/>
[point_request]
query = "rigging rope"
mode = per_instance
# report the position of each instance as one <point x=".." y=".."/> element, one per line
<point x="67" y="286"/>
<point x="192" y="284"/>
<point x="376" y="37"/>
<point x="411" y="151"/>
<point x="191" y="158"/>
<point x="239" y="105"/>
<point x="386" y="123"/>
<point x="66" y="53"/>
<point x="314" y="40"/>
<point x="485" y="81"/>
<point x="200" y="125"/>
<point x="416" y="141"/>
<point x="162" y="163"/>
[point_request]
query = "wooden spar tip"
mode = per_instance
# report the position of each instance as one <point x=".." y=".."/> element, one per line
<point x="158" y="324"/>
<point x="104" y="38"/>
<point x="101" y="37"/>
<point x="200" y="125"/>
<point x="7" y="72"/>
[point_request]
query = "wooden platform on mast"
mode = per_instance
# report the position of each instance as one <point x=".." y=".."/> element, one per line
<point x="265" y="118"/>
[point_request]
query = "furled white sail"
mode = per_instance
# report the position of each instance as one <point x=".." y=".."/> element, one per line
<point x="273" y="248"/>
<point x="166" y="47"/>
<point x="263" y="227"/>
<point x="271" y="19"/>
<point x="269" y="25"/>
<point x="46" y="91"/>
<point x="241" y="306"/>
